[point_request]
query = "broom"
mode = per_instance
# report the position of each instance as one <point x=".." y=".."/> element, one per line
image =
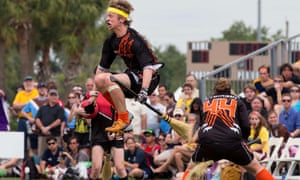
<point x="181" y="128"/>
<point x="106" y="170"/>
<point x="198" y="172"/>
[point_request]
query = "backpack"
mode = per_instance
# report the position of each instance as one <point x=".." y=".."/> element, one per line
<point x="33" y="173"/>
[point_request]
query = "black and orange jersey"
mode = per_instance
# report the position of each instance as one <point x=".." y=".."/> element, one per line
<point x="225" y="120"/>
<point x="132" y="48"/>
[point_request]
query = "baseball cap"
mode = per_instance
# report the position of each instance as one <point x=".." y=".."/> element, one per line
<point x="41" y="85"/>
<point x="149" y="131"/>
<point x="28" y="78"/>
<point x="53" y="91"/>
<point x="178" y="111"/>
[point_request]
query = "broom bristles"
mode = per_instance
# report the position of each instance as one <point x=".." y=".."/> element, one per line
<point x="199" y="171"/>
<point x="183" y="129"/>
<point x="106" y="170"/>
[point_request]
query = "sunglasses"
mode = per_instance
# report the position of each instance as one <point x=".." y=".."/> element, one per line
<point x="51" y="143"/>
<point x="148" y="135"/>
<point x="161" y="139"/>
<point x="286" y="100"/>
<point x="71" y="97"/>
<point x="278" y="81"/>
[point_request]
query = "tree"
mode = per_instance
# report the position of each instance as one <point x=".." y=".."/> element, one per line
<point x="174" y="71"/>
<point x="238" y="31"/>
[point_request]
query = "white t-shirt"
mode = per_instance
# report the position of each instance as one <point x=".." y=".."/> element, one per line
<point x="137" y="109"/>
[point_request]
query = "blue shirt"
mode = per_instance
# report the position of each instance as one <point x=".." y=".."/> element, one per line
<point x="290" y="119"/>
<point x="70" y="124"/>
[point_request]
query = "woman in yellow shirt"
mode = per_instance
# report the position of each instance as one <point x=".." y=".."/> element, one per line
<point x="259" y="131"/>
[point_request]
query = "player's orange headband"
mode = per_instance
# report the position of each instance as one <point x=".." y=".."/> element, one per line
<point x="118" y="11"/>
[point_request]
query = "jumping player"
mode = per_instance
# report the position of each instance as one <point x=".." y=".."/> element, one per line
<point x="141" y="75"/>
<point x="224" y="131"/>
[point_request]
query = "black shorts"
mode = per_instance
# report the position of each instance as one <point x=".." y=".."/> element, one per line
<point x="136" y="83"/>
<point x="237" y="153"/>
<point x="109" y="144"/>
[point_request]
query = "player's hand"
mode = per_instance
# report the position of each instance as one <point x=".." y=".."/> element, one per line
<point x="142" y="96"/>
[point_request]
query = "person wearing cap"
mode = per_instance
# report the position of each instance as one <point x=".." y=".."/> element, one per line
<point x="224" y="131"/>
<point x="141" y="75"/>
<point x="30" y="110"/>
<point x="20" y="100"/>
<point x="48" y="120"/>
<point x="150" y="146"/>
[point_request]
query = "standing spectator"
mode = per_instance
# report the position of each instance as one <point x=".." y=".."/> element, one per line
<point x="4" y="116"/>
<point x="289" y="117"/>
<point x="153" y="119"/>
<point x="30" y="111"/>
<point x="82" y="124"/>
<point x="135" y="161"/>
<point x="185" y="101"/>
<point x="162" y="91"/>
<point x="89" y="85"/>
<point x="264" y="81"/>
<point x="21" y="99"/>
<point x="48" y="120"/>
<point x="192" y="80"/>
<point x="68" y="126"/>
<point x="139" y="121"/>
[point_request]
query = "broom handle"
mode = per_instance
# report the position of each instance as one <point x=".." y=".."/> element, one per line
<point x="113" y="79"/>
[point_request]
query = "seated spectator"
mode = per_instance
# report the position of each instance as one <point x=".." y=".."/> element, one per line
<point x="278" y="89"/>
<point x="277" y="129"/>
<point x="74" y="156"/>
<point x="250" y="93"/>
<point x="173" y="138"/>
<point x="50" y="158"/>
<point x="197" y="107"/>
<point x="186" y="100"/>
<point x="135" y="161"/>
<point x="289" y="79"/>
<point x="264" y="81"/>
<point x="289" y="117"/>
<point x="182" y="154"/>
<point x="258" y="131"/>
<point x="258" y="105"/>
<point x="150" y="146"/>
<point x="295" y="94"/>
<point x="163" y="154"/>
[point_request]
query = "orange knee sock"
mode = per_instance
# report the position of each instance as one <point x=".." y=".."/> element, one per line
<point x="264" y="175"/>
<point x="185" y="174"/>
<point x="107" y="96"/>
<point x="124" y="117"/>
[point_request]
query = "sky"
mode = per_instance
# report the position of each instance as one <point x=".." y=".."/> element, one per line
<point x="175" y="22"/>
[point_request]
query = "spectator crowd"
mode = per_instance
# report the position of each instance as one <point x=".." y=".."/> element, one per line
<point x="58" y="137"/>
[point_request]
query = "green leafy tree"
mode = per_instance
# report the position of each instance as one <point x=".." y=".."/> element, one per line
<point x="239" y="31"/>
<point x="174" y="71"/>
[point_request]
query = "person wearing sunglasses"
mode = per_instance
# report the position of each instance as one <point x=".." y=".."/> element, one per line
<point x="289" y="117"/>
<point x="50" y="157"/>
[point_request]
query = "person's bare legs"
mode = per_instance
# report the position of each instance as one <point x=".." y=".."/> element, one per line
<point x="118" y="157"/>
<point x="114" y="94"/>
<point x="97" y="159"/>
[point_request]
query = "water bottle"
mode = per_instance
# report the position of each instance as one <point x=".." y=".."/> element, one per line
<point x="27" y="173"/>
<point x="208" y="175"/>
<point x="283" y="173"/>
<point x="28" y="127"/>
